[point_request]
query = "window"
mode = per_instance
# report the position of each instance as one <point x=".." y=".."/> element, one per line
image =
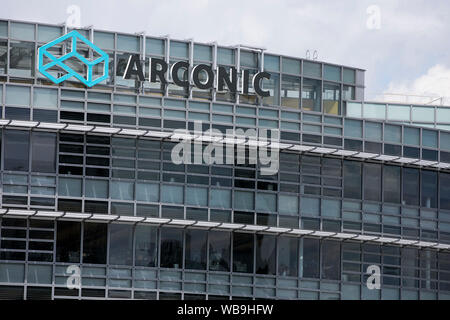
<point x="331" y="98"/>
<point x="121" y="244"/>
<point x="195" y="255"/>
<point x="17" y="145"/>
<point x="311" y="95"/>
<point x="68" y="241"/>
<point x="146" y="246"/>
<point x="352" y="180"/>
<point x="444" y="191"/>
<point x="372" y="182"/>
<point x="309" y="258"/>
<point x="243" y="252"/>
<point x="429" y="189"/>
<point x="411" y="186"/>
<point x="287" y="256"/>
<point x="171" y="248"/>
<point x="265" y="254"/>
<point x="244" y="200"/>
<point x="391" y="184"/>
<point x="94" y="243"/>
<point x="219" y="251"/>
<point x="21" y="62"/>
<point x="43" y="152"/>
<point x="331" y="260"/>
<point x="290" y="91"/>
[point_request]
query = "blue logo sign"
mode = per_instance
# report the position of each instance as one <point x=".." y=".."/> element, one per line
<point x="73" y="59"/>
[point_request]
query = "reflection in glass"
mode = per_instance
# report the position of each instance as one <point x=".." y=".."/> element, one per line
<point x="94" y="243"/>
<point x="21" y="59"/>
<point x="195" y="255"/>
<point x="68" y="241"/>
<point x="290" y="91"/>
<point x="287" y="256"/>
<point x="16" y="150"/>
<point x="309" y="258"/>
<point x="243" y="252"/>
<point x="429" y="189"/>
<point x="311" y="95"/>
<point x="411" y="186"/>
<point x="43" y="152"/>
<point x="171" y="248"/>
<point x="331" y="98"/>
<point x="331" y="261"/>
<point x="265" y="254"/>
<point x="219" y="251"/>
<point x="121" y="244"/>
<point x="391" y="183"/>
<point x="146" y="246"/>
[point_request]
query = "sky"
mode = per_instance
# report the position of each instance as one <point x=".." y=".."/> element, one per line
<point x="402" y="44"/>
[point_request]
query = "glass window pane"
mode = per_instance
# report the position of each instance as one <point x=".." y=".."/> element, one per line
<point x="249" y="59"/>
<point x="352" y="180"/>
<point x="412" y="136"/>
<point x="18" y="95"/>
<point x="374" y="111"/>
<point x="290" y="91"/>
<point x="411" y="185"/>
<point x="22" y="31"/>
<point x="154" y="46"/>
<point x="179" y="49"/>
<point x="429" y="138"/>
<point x="48" y="33"/>
<point x="373" y="131"/>
<point x="45" y="98"/>
<point x="202" y="52"/>
<point x="121" y="244"/>
<point x="332" y="73"/>
<point x="94" y="243"/>
<point x="122" y="190"/>
<point x="219" y="251"/>
<point x="311" y="69"/>
<point x="148" y="192"/>
<point x="349" y="75"/>
<point x="399" y="113"/>
<point x="391" y="184"/>
<point x="423" y="114"/>
<point x="172" y="194"/>
<point x="96" y="188"/>
<point x="243" y="252"/>
<point x="265" y="254"/>
<point x="3" y="57"/>
<point x="372" y="182"/>
<point x="353" y="128"/>
<point x="354" y="109"/>
<point x="266" y="202"/>
<point x="146" y="246"/>
<point x="43" y="152"/>
<point x="271" y="63"/>
<point x="17" y="144"/>
<point x="127" y="43"/>
<point x="287" y="204"/>
<point x="309" y="258"/>
<point x="429" y="189"/>
<point x="393" y="134"/>
<point x="220" y="198"/>
<point x="225" y="56"/>
<point x="331" y="98"/>
<point x="3" y="29"/>
<point x="244" y="200"/>
<point x="68" y="241"/>
<point x="287" y="256"/>
<point x="195" y="255"/>
<point x="291" y="66"/>
<point x="171" y="248"/>
<point x="197" y="196"/>
<point x="69" y="187"/>
<point x="311" y="95"/>
<point x="331" y="260"/>
<point x="22" y="59"/>
<point x="444" y="190"/>
<point x="104" y="40"/>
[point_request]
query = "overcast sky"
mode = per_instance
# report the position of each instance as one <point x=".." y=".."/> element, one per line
<point x="403" y="44"/>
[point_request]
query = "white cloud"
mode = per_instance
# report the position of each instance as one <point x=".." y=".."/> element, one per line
<point x="432" y="85"/>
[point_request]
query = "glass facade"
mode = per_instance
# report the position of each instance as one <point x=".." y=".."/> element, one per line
<point x="87" y="180"/>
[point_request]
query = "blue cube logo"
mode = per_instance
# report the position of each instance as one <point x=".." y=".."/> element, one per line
<point x="89" y="70"/>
